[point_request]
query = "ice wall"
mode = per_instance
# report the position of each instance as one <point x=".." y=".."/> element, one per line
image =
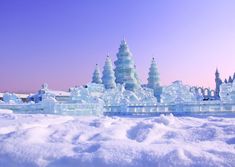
<point x="177" y="92"/>
<point x="227" y="92"/>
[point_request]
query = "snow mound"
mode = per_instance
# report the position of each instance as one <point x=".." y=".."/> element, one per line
<point x="165" y="119"/>
<point x="66" y="141"/>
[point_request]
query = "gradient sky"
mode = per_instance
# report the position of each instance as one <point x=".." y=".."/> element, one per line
<point x="59" y="42"/>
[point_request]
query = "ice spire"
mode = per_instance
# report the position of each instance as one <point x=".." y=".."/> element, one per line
<point x="96" y="75"/>
<point x="230" y="80"/>
<point x="108" y="78"/>
<point x="125" y="70"/>
<point x="153" y="75"/>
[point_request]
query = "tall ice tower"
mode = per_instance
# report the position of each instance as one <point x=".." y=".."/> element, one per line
<point x="125" y="71"/>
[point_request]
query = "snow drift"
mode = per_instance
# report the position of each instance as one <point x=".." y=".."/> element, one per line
<point x="65" y="141"/>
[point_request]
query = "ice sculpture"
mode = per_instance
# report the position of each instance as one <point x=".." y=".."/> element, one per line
<point x="96" y="75"/>
<point x="87" y="94"/>
<point x="119" y="95"/>
<point x="108" y="78"/>
<point x="48" y="102"/>
<point x="218" y="82"/>
<point x="80" y="95"/>
<point x="95" y="90"/>
<point x="38" y="96"/>
<point x="48" y="97"/>
<point x="227" y="92"/>
<point x="177" y="93"/>
<point x="11" y="98"/>
<point x="125" y="71"/>
<point x="153" y="78"/>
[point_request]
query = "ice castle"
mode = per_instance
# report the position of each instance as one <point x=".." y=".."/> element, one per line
<point x="118" y="90"/>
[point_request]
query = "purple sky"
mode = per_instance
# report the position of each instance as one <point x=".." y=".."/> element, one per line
<point x="59" y="42"/>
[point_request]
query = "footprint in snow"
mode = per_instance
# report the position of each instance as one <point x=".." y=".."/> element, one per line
<point x="87" y="149"/>
<point x="139" y="132"/>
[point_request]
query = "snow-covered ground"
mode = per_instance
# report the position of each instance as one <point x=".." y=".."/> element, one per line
<point x="56" y="141"/>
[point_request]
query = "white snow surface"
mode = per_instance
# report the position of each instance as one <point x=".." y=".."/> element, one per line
<point x="69" y="141"/>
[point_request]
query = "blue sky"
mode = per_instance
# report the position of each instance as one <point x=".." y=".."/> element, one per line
<point x="59" y="42"/>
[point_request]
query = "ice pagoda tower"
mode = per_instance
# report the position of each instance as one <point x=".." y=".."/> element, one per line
<point x="218" y="82"/>
<point x="153" y="80"/>
<point x="108" y="78"/>
<point x="96" y="75"/>
<point x="125" y="72"/>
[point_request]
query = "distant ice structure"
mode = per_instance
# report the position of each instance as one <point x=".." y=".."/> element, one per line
<point x="177" y="93"/>
<point x="153" y="80"/>
<point x="95" y="90"/>
<point x="11" y="98"/>
<point x="203" y="94"/>
<point x="153" y="76"/>
<point x="218" y="82"/>
<point x="125" y="71"/>
<point x="108" y="78"/>
<point x="48" y="97"/>
<point x="88" y="94"/>
<point x="227" y="92"/>
<point x="121" y="88"/>
<point x="96" y="75"/>
<point x="48" y="102"/>
<point x="38" y="96"/>
<point x="119" y="95"/>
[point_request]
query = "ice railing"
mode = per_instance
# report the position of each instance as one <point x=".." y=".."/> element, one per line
<point x="79" y="109"/>
<point x="100" y="108"/>
<point x="207" y="106"/>
<point x="56" y="108"/>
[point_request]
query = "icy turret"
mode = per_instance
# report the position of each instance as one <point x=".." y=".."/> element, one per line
<point x="125" y="70"/>
<point x="218" y="82"/>
<point x="230" y="80"/>
<point x="227" y="92"/>
<point x="108" y="78"/>
<point x="96" y="75"/>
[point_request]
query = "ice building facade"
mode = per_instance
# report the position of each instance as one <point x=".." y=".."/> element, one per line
<point x="227" y="92"/>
